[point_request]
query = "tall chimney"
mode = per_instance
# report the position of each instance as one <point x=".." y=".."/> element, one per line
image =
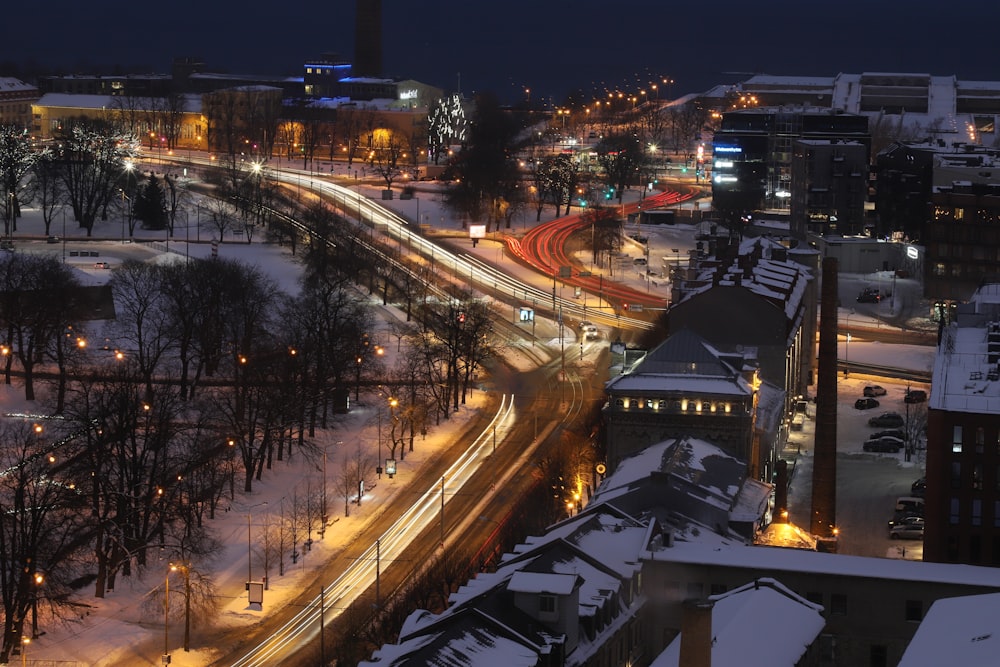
<point x="367" y="39"/>
<point x="696" y="634"/>
<point x="824" y="483"/>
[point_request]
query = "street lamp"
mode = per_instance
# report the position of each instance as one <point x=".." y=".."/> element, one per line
<point x="39" y="580"/>
<point x="166" y="617"/>
<point x="249" y="544"/>
<point x="847" y="341"/>
<point x="24" y="650"/>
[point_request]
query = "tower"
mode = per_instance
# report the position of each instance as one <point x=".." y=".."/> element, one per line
<point x="368" y="39"/>
<point x="824" y="485"/>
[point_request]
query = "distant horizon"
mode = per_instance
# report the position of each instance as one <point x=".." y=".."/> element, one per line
<point x="549" y="48"/>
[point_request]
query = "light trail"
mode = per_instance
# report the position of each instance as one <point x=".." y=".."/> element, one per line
<point x="303" y="627"/>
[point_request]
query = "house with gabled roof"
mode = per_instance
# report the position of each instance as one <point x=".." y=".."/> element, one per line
<point x="684" y="386"/>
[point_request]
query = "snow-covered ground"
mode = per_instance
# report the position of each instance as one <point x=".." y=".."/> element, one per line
<point x="121" y="629"/>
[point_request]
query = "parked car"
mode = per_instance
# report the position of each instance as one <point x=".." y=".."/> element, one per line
<point x="869" y="295"/>
<point x="884" y="444"/>
<point x="52" y="239"/>
<point x="874" y="390"/>
<point x="101" y="265"/>
<point x="911" y="504"/>
<point x="915" y="396"/>
<point x="892" y="433"/>
<point x="904" y="517"/>
<point x="887" y="420"/>
<point x="910" y="530"/>
<point x="6" y="244"/>
<point x="919" y="487"/>
<point x="865" y="404"/>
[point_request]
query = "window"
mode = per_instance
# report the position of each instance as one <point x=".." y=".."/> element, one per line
<point x="838" y="604"/>
<point x="914" y="610"/>
<point x="980" y="439"/>
<point x="878" y="656"/>
<point x="956" y="475"/>
<point x="827" y="648"/>
<point x="718" y="589"/>
<point x="977" y="477"/>
<point x="956" y="439"/>
<point x="547" y="604"/>
<point x="953" y="512"/>
<point x="977" y="512"/>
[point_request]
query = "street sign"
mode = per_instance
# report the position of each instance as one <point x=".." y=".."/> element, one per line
<point x="635" y="307"/>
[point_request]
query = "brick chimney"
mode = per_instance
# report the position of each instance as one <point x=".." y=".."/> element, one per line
<point x="824" y="483"/>
<point x="696" y="634"/>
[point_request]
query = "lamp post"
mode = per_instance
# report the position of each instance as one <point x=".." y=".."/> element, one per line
<point x="166" y="618"/>
<point x="39" y="580"/>
<point x="847" y="341"/>
<point x="24" y="650"/>
<point x="250" y="545"/>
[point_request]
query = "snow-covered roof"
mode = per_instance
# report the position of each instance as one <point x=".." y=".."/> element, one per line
<point x="793" y="623"/>
<point x="9" y="84"/>
<point x="684" y="363"/>
<point x="70" y="101"/>
<point x="541" y="582"/>
<point x="957" y="631"/>
<point x="192" y="103"/>
<point x="967" y="366"/>
<point x="776" y="560"/>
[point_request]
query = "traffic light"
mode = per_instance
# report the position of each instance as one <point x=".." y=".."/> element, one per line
<point x="461" y="317"/>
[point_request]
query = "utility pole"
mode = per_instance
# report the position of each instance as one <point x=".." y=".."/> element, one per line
<point x="442" y="511"/>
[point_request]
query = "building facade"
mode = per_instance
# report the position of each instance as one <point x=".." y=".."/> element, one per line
<point x="829" y="187"/>
<point x="16" y="98"/>
<point x="963" y="437"/>
<point x="753" y="148"/>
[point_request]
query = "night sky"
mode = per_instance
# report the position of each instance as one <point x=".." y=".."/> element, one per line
<point x="549" y="46"/>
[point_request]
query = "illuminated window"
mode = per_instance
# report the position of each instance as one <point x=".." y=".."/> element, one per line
<point x="956" y="439"/>
<point x="980" y="439"/>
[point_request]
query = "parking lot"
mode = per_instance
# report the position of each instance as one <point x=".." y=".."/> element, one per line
<point x="868" y="483"/>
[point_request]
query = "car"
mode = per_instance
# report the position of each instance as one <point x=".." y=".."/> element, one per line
<point x="915" y="396"/>
<point x="869" y="295"/>
<point x="892" y="433"/>
<point x="592" y="334"/>
<point x="887" y="420"/>
<point x="865" y="404"/>
<point x="919" y="487"/>
<point x="885" y="444"/>
<point x="101" y="265"/>
<point x="910" y="530"/>
<point x="52" y="239"/>
<point x="585" y="323"/>
<point x="6" y="244"/>
<point x="874" y="390"/>
<point x="904" y="517"/>
<point x="912" y="504"/>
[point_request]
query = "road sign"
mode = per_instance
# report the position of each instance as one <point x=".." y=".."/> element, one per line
<point x="634" y="307"/>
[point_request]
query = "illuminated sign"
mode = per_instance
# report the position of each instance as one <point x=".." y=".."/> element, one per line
<point x="728" y="149"/>
<point x="477" y="231"/>
<point x="724" y="178"/>
<point x="912" y="252"/>
<point x="408" y="94"/>
<point x="723" y="164"/>
<point x="527" y="315"/>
